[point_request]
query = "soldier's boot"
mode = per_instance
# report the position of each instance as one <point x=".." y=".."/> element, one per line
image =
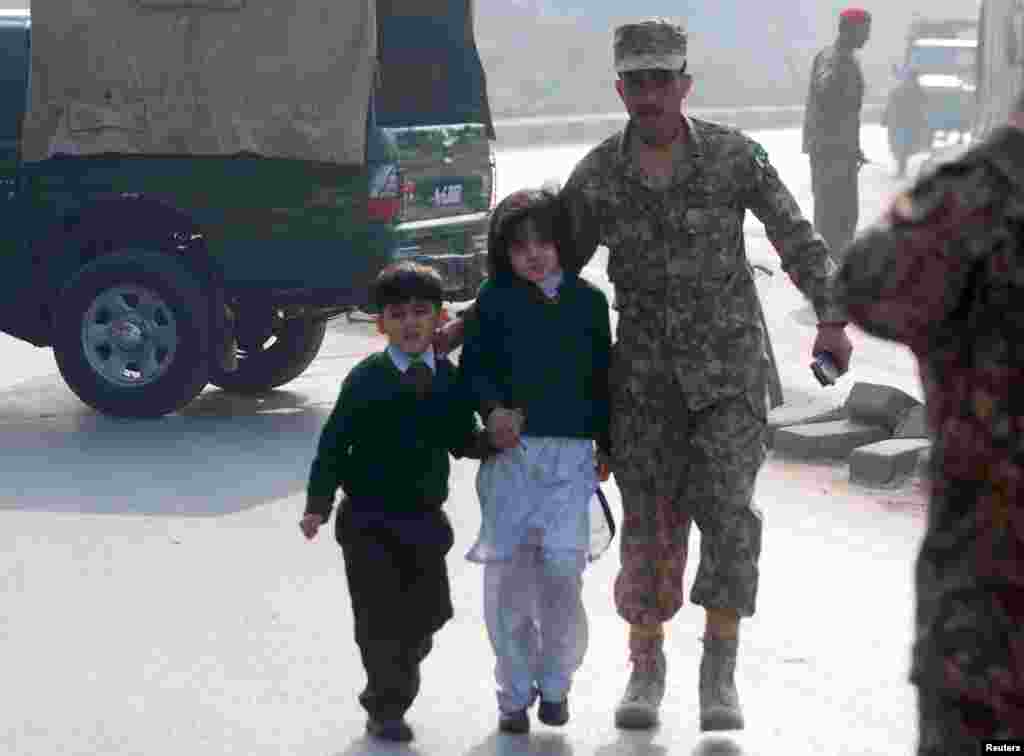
<point x="645" y="690"/>
<point x="719" y="701"/>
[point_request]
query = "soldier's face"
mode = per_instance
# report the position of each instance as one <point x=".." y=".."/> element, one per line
<point x="858" y="34"/>
<point x="654" y="100"/>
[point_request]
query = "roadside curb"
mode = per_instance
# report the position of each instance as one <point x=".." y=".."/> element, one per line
<point x="880" y="431"/>
<point x="591" y="128"/>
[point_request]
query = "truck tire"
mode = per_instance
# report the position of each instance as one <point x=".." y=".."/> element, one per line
<point x="295" y="345"/>
<point x="132" y="334"/>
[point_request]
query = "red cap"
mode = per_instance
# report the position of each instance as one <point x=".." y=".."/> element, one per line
<point x="855" y="16"/>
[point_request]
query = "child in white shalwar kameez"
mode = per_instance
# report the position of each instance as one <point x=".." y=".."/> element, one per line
<point x="535" y="360"/>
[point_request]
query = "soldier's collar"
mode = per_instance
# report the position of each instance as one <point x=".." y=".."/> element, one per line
<point x="695" y="144"/>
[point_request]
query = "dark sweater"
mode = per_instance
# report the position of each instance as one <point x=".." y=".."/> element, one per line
<point x="387" y="449"/>
<point x="548" y="358"/>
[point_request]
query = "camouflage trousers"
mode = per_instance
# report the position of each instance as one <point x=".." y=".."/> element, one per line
<point x="675" y="466"/>
<point x="836" y="200"/>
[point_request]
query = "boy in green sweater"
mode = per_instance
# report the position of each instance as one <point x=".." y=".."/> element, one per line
<point x="386" y="444"/>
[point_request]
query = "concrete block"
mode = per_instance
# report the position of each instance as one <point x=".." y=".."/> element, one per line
<point x="802" y="414"/>
<point x="886" y="462"/>
<point x="830" y="440"/>
<point x="914" y="424"/>
<point x="876" y="404"/>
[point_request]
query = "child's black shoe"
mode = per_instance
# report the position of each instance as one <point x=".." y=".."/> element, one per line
<point x="554" y="713"/>
<point x="396" y="730"/>
<point x="514" y="722"/>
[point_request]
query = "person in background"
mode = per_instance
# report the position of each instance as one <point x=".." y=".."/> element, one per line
<point x="905" y="119"/>
<point x="831" y="133"/>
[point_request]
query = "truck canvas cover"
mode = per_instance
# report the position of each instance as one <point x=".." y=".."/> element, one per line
<point x="275" y="78"/>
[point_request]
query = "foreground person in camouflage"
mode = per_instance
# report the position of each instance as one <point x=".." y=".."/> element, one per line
<point x="667" y="196"/>
<point x="831" y="136"/>
<point x="943" y="273"/>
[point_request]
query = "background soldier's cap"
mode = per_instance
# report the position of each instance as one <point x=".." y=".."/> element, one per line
<point x="656" y="43"/>
<point x="855" y="16"/>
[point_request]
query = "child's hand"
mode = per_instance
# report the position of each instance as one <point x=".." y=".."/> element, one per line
<point x="604" y="466"/>
<point x="503" y="426"/>
<point x="449" y="336"/>
<point x="310" y="524"/>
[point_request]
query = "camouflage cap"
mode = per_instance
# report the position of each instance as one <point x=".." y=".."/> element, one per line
<point x="656" y="43"/>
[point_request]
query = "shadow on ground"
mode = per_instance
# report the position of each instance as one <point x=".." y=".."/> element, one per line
<point x="223" y="453"/>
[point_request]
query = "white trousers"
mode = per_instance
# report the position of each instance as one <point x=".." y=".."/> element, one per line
<point x="533" y="607"/>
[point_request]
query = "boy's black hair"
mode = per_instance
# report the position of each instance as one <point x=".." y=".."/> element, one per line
<point x="402" y="282"/>
<point x="546" y="212"/>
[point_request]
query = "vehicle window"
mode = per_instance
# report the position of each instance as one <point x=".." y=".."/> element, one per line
<point x="944" y="59"/>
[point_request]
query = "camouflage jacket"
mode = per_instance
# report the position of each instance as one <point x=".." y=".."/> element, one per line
<point x="834" y="100"/>
<point x="683" y="287"/>
<point x="944" y="273"/>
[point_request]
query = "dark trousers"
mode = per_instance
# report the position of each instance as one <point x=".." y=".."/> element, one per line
<point x="398" y="586"/>
<point x="836" y="199"/>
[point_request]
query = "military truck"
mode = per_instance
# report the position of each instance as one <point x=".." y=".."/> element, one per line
<point x="193" y="188"/>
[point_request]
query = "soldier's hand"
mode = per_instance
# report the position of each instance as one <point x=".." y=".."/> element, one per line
<point x="832" y="338"/>
<point x="310" y="524"/>
<point x="503" y="426"/>
<point x="604" y="466"/>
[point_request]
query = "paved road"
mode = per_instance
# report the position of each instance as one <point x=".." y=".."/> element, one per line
<point x="157" y="597"/>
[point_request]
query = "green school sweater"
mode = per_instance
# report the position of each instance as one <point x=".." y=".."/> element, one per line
<point x="550" y="359"/>
<point x="385" y="447"/>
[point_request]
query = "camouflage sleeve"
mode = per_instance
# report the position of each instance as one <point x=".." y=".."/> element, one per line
<point x="803" y="252"/>
<point x="582" y="233"/>
<point x="903" y="278"/>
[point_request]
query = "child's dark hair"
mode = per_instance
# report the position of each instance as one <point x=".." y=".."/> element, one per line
<point x="404" y="281"/>
<point x="546" y="213"/>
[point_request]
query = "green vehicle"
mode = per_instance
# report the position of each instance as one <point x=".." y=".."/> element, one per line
<point x="943" y="56"/>
<point x="192" y="189"/>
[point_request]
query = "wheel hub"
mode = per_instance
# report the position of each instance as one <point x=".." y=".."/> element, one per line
<point x="128" y="334"/>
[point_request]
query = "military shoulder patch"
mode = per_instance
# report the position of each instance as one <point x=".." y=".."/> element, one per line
<point x="760" y="155"/>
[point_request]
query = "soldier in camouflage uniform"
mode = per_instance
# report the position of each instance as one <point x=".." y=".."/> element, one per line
<point x="831" y="134"/>
<point x="667" y="196"/>
<point x="943" y="273"/>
